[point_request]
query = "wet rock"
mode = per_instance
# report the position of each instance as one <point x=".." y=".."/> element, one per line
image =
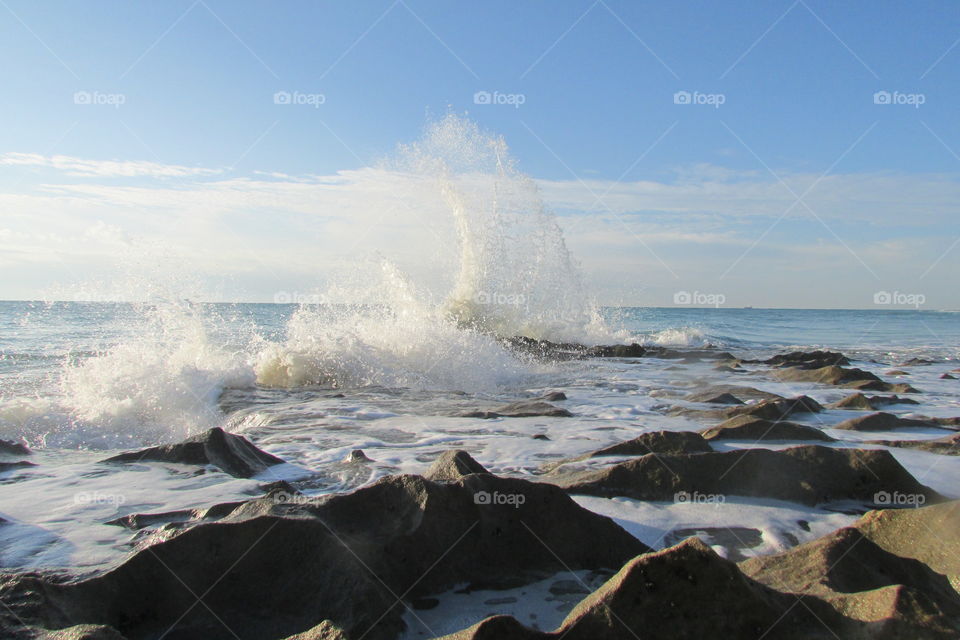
<point x="734" y="540"/>
<point x="617" y="351"/>
<point x="232" y="454"/>
<point x="949" y="445"/>
<point x="869" y="403"/>
<point x="719" y="398"/>
<point x="453" y="465"/>
<point x="831" y="374"/>
<point x="553" y="396"/>
<point x="17" y="464"/>
<point x="14" y="448"/>
<point x="739" y="392"/>
<point x="521" y="409"/>
<point x="340" y="560"/>
<point x="652" y="442"/>
<point x="808" y="359"/>
<point x="747" y="427"/>
<point x="85" y="632"/>
<point x="947" y="376"/>
<point x="880" y="422"/>
<point x="541" y="436"/>
<point x="357" y="456"/>
<point x="913" y="362"/>
<point x="777" y="409"/>
<point x="897" y="372"/>
<point x="808" y="474"/>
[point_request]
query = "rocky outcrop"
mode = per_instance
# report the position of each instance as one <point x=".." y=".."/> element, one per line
<point x="880" y="422"/>
<point x="453" y="465"/>
<point x="521" y="409"/>
<point x="10" y="448"/>
<point x="809" y="474"/>
<point x="949" y="445"/>
<point x="808" y="359"/>
<point x="748" y="427"/>
<point x="774" y="409"/>
<point x="869" y="403"/>
<point x="652" y="442"/>
<point x="838" y="376"/>
<point x="347" y="559"/>
<point x="714" y="398"/>
<point x="742" y="394"/>
<point x="230" y="453"/>
<point x="862" y="583"/>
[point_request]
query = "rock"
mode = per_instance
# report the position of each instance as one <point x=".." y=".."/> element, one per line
<point x="521" y="409"/>
<point x="747" y="427"/>
<point x="808" y="359"/>
<point x="949" y="445"/>
<point x="897" y="372"/>
<point x="928" y="534"/>
<point x="553" y="396"/>
<point x="453" y="465"/>
<point x="880" y="422"/>
<point x="831" y="374"/>
<point x="720" y="398"/>
<point x="947" y="376"/>
<point x="734" y="540"/>
<point x="232" y="454"/>
<point x="540" y="436"/>
<point x="9" y="466"/>
<point x="777" y="409"/>
<point x="357" y="456"/>
<point x="85" y="632"/>
<point x="14" y="448"/>
<point x="808" y="474"/>
<point x="326" y="630"/>
<point x="684" y="592"/>
<point x="870" y="403"/>
<point x="913" y="362"/>
<point x="739" y="392"/>
<point x="652" y="442"/>
<point x="618" y="351"/>
<point x="867" y="585"/>
<point x="343" y="559"/>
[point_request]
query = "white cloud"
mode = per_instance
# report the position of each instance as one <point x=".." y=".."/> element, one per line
<point x="104" y="168"/>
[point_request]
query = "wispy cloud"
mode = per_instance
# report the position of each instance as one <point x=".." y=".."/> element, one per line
<point x="104" y="168"/>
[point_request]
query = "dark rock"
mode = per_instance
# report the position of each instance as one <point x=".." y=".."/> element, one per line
<point x="343" y="560"/>
<point x="808" y="359"/>
<point x="720" y="398"/>
<point x="652" y="442"/>
<point x="913" y="362"/>
<point x="831" y="374"/>
<point x="453" y="465"/>
<point x="880" y="422"/>
<point x="617" y="351"/>
<point x="19" y="464"/>
<point x="747" y="427"/>
<point x="870" y="403"/>
<point x="14" y="448"/>
<point x="949" y="445"/>
<point x="947" y="376"/>
<point x="541" y="436"/>
<point x="777" y="409"/>
<point x="521" y="409"/>
<point x="809" y="474"/>
<point x="740" y="393"/>
<point x="553" y="396"/>
<point x="357" y="456"/>
<point x="734" y="539"/>
<point x="897" y="372"/>
<point x="424" y="604"/>
<point x="233" y="454"/>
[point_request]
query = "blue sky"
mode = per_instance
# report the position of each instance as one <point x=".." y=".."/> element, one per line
<point x="698" y="197"/>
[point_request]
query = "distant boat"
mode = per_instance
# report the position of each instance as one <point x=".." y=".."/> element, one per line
<point x="748" y="307"/>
